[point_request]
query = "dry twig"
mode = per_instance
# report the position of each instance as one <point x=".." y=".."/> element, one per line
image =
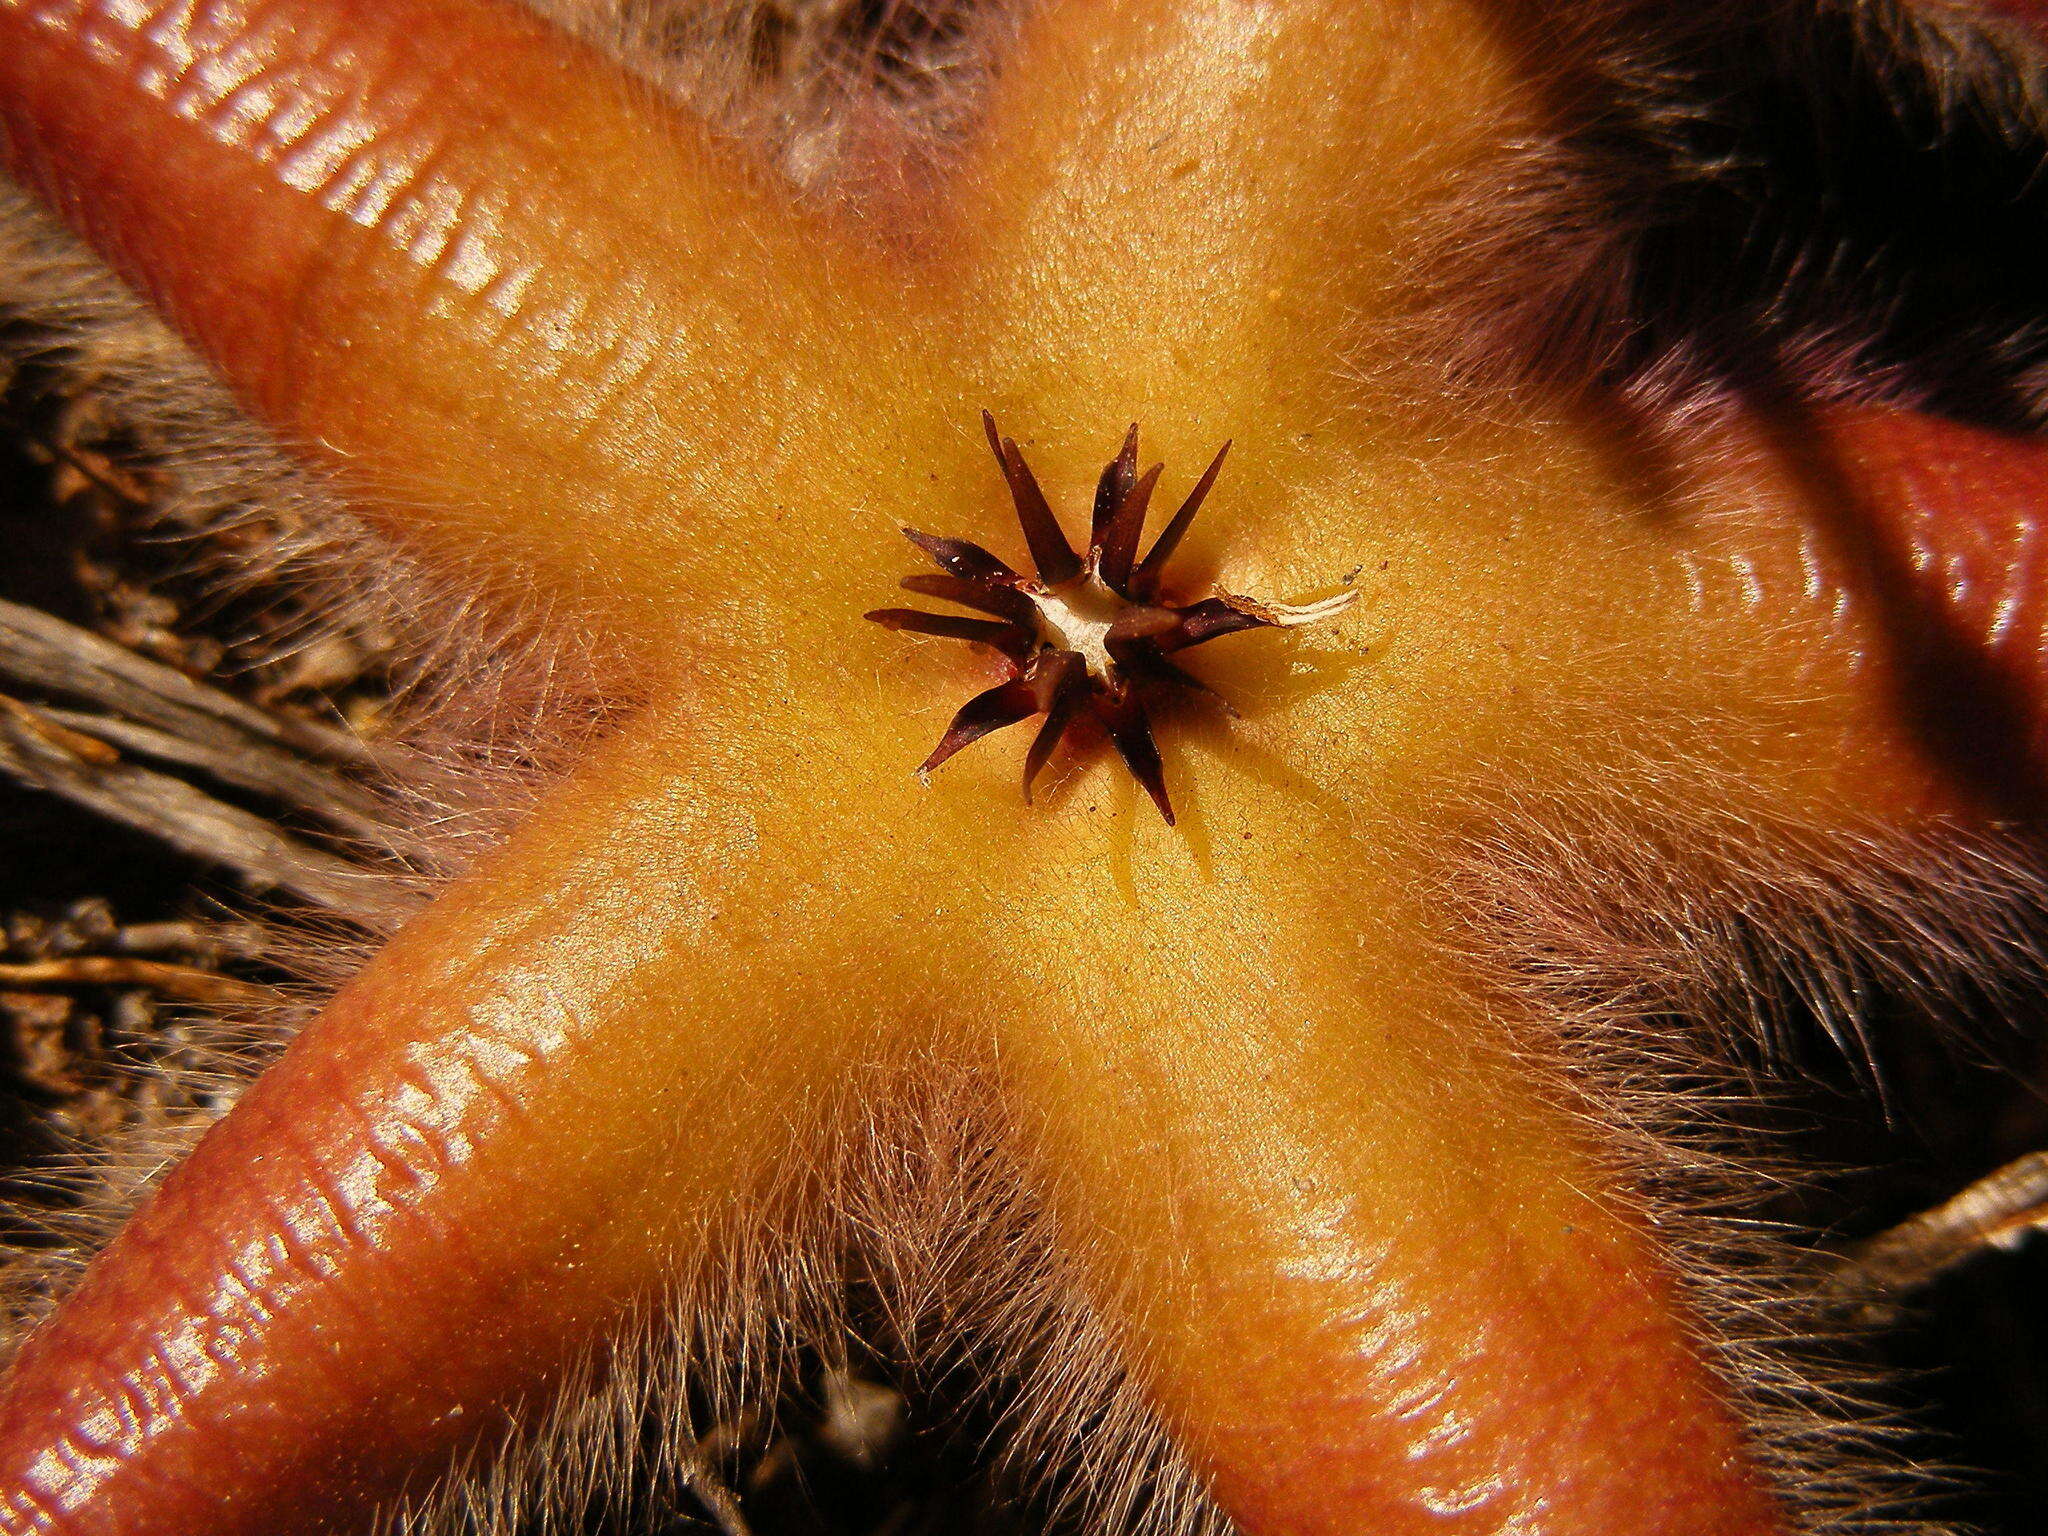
<point x="47" y="755"/>
<point x="42" y="650"/>
<point x="1998" y="1211"/>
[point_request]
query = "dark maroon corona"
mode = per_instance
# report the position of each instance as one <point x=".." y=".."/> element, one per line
<point x="1091" y="634"/>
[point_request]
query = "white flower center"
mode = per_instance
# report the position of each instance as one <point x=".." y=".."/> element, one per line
<point x="1076" y="617"/>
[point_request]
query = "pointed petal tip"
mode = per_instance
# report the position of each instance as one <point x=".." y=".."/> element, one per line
<point x="981" y="593"/>
<point x="960" y="558"/>
<point x="949" y="744"/>
<point x="1117" y="546"/>
<point x="1064" y="684"/>
<point x="1050" y="551"/>
<point x="1154" y="563"/>
<point x="1162" y="800"/>
<point x="1003" y="705"/>
<point x="1002" y="635"/>
<point x="1130" y="731"/>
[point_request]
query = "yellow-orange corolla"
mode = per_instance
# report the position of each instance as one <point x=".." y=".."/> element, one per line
<point x="549" y="336"/>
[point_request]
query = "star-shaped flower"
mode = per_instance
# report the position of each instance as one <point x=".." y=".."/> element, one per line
<point x="1366" y="1268"/>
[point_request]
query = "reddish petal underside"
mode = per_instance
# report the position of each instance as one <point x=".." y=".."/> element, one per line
<point x="1944" y="528"/>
